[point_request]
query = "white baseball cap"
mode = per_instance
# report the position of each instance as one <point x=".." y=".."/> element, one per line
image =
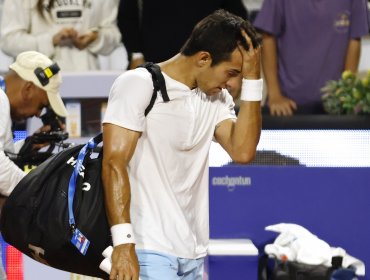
<point x="37" y="68"/>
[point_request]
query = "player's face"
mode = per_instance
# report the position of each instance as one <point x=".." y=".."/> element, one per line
<point x="215" y="78"/>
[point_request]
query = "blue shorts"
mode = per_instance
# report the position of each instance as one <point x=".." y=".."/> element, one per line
<point x="158" y="266"/>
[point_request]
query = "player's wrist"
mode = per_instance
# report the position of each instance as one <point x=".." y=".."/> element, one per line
<point x="251" y="90"/>
<point x="122" y="234"/>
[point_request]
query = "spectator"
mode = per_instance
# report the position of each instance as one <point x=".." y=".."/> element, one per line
<point x="73" y="33"/>
<point x="156" y="30"/>
<point x="306" y="43"/>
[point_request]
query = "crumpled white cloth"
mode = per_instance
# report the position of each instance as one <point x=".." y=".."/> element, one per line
<point x="295" y="243"/>
<point x="106" y="264"/>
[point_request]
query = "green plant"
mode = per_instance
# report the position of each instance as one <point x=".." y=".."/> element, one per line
<point x="349" y="95"/>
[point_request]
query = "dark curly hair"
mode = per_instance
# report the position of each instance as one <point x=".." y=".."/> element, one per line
<point x="219" y="34"/>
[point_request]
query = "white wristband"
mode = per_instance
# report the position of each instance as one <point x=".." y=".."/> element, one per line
<point x="122" y="234"/>
<point x="251" y="90"/>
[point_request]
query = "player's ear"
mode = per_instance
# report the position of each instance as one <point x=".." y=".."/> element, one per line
<point x="204" y="59"/>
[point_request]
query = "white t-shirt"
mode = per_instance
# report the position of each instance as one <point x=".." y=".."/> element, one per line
<point x="169" y="169"/>
<point x="10" y="174"/>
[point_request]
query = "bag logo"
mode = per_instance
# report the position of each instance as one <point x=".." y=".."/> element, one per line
<point x="72" y="161"/>
<point x="86" y="186"/>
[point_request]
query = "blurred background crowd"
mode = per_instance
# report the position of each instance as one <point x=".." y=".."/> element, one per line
<point x="306" y="43"/>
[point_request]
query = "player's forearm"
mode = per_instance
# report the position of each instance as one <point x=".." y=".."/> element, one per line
<point x="117" y="193"/>
<point x="247" y="130"/>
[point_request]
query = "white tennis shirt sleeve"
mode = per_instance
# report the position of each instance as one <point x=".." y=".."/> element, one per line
<point x="128" y="98"/>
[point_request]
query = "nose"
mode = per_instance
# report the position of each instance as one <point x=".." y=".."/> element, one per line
<point x="229" y="84"/>
<point x="224" y="85"/>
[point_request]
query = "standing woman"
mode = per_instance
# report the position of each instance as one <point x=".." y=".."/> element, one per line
<point x="71" y="32"/>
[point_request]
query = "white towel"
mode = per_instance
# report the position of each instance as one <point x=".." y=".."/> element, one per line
<point x="295" y="243"/>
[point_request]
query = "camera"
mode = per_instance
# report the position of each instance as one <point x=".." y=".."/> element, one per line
<point x="56" y="133"/>
<point x="28" y="156"/>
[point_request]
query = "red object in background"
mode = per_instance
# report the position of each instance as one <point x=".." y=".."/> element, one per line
<point x="14" y="264"/>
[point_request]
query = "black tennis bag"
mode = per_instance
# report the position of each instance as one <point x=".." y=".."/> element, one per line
<point x="275" y="269"/>
<point x="35" y="217"/>
<point x="56" y="214"/>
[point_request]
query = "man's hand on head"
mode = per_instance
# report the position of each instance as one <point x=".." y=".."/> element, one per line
<point x="251" y="59"/>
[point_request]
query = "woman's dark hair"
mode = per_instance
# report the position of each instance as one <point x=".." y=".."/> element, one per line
<point x="219" y="34"/>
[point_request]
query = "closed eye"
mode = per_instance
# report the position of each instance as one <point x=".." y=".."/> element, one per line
<point x="233" y="74"/>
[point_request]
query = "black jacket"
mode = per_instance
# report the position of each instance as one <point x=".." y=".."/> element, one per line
<point x="162" y="27"/>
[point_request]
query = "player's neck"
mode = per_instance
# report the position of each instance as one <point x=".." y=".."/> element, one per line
<point x="180" y="68"/>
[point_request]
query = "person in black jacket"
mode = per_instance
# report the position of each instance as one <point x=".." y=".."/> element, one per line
<point x="155" y="30"/>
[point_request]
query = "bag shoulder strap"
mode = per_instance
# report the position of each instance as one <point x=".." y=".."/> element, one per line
<point x="158" y="84"/>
